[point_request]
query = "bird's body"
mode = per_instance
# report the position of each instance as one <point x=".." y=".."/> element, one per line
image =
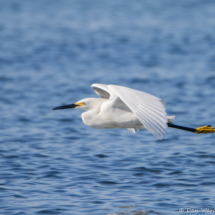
<point x="122" y="107"/>
<point x="104" y="115"/>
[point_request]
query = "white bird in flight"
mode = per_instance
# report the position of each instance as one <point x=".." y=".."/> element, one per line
<point x="122" y="107"/>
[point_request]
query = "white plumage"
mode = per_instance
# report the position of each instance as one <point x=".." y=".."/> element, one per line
<point x="147" y="108"/>
<point x="122" y="107"/>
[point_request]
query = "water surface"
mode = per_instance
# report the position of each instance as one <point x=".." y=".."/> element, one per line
<point x="51" y="53"/>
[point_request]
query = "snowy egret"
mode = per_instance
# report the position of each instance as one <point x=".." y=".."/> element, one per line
<point x="122" y="107"/>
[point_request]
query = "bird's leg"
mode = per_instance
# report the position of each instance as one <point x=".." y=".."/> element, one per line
<point x="201" y="130"/>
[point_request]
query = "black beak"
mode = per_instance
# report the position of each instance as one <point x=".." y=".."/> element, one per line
<point x="65" y="107"/>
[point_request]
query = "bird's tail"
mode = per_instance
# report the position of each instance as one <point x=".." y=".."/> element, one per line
<point x="171" y="119"/>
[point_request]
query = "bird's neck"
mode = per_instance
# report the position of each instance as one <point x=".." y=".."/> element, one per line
<point x="89" y="117"/>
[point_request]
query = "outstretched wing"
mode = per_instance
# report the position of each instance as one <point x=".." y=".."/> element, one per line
<point x="149" y="109"/>
<point x="103" y="91"/>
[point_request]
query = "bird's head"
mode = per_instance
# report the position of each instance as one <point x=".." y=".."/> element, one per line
<point x="84" y="104"/>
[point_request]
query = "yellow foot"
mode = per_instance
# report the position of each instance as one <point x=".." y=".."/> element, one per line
<point x="205" y="129"/>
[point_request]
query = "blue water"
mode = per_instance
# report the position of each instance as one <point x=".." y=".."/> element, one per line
<point x="51" y="52"/>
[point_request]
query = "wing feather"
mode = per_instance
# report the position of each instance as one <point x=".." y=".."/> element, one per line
<point x="103" y="91"/>
<point x="153" y="126"/>
<point x="153" y="112"/>
<point x="149" y="109"/>
<point x="156" y="122"/>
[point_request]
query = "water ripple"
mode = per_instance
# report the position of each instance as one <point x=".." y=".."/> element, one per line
<point x="51" y="163"/>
